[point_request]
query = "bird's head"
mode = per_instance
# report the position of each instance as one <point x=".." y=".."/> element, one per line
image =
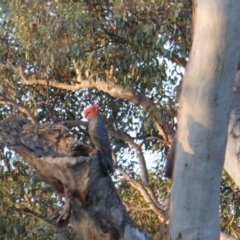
<point x="91" y="112"/>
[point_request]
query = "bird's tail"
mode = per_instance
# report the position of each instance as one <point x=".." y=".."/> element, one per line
<point x="107" y="166"/>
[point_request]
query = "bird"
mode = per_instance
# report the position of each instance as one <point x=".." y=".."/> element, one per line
<point x="98" y="133"/>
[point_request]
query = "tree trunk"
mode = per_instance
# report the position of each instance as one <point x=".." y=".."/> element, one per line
<point x="93" y="207"/>
<point x="225" y="236"/>
<point x="205" y="105"/>
<point x="232" y="156"/>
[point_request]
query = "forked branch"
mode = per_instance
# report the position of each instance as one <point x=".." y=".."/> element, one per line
<point x="93" y="206"/>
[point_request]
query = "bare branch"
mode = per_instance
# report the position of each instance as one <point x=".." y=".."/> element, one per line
<point x="115" y="91"/>
<point x="6" y="101"/>
<point x="155" y="207"/>
<point x="170" y="55"/>
<point x="141" y="159"/>
<point x="124" y="137"/>
<point x="173" y="57"/>
<point x="74" y="172"/>
<point x="140" y="209"/>
<point x="127" y="139"/>
<point x="226" y="236"/>
<point x="150" y="138"/>
<point x="105" y="86"/>
<point x="35" y="214"/>
<point x="74" y="123"/>
<point x="9" y="67"/>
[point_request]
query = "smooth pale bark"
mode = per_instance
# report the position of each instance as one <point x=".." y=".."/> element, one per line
<point x="225" y="236"/>
<point x="203" y="118"/>
<point x="232" y="157"/>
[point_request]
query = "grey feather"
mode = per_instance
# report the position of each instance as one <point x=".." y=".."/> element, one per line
<point x="99" y="135"/>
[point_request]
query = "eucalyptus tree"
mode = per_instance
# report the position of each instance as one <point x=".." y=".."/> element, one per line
<point x="56" y="57"/>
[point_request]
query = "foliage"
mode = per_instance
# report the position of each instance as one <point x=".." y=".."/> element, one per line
<point x="28" y="204"/>
<point x="230" y="206"/>
<point x="134" y="45"/>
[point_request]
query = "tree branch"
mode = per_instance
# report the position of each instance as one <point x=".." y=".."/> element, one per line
<point x="150" y="138"/>
<point x="93" y="207"/>
<point x="141" y="159"/>
<point x="9" y="67"/>
<point x="35" y="214"/>
<point x="140" y="209"/>
<point x="6" y="101"/>
<point x="225" y="236"/>
<point x="73" y="123"/>
<point x="105" y="86"/>
<point x="173" y="57"/>
<point x="124" y="137"/>
<point x="170" y="56"/>
<point x="153" y="205"/>
<point x="115" y="91"/>
<point x="127" y="139"/>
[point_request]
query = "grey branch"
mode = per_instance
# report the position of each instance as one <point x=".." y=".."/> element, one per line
<point x="93" y="206"/>
<point x="149" y="196"/>
<point x="7" y="101"/>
